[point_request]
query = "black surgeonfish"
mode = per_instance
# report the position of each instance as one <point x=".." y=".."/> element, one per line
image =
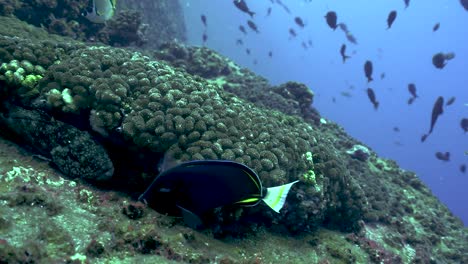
<point x="343" y="53"/>
<point x="243" y="7"/>
<point x="368" y="68"/>
<point x="372" y="98"/>
<point x="194" y="188"/>
<point x="331" y="19"/>
<point x="391" y="18"/>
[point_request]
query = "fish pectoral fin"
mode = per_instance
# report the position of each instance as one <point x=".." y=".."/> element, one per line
<point x="190" y="218"/>
<point x="276" y="196"/>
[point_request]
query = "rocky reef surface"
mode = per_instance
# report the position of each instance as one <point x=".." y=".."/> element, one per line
<point x="94" y="121"/>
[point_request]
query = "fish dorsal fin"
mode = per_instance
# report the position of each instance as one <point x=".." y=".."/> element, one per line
<point x="276" y="196"/>
<point x="190" y="219"/>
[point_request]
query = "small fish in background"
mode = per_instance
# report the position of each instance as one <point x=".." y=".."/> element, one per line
<point x="304" y="45"/>
<point x="204" y="38"/>
<point x="242" y="6"/>
<point x="268" y="11"/>
<point x="412" y="91"/>
<point x="174" y="192"/>
<point x="464" y="3"/>
<point x="252" y="26"/>
<point x="242" y="29"/>
<point x="292" y="33"/>
<point x="424" y="137"/>
<point x="299" y="22"/>
<point x="310" y="43"/>
<point x="436" y="27"/>
<point x="372" y="98"/>
<point x="247" y="51"/>
<point x="437" y="110"/>
<point x="443" y="156"/>
<point x="279" y="2"/>
<point x="333" y="99"/>
<point x="343" y="53"/>
<point x="406" y="3"/>
<point x="203" y="19"/>
<point x="439" y="59"/>
<point x="346" y="94"/>
<point x="382" y="76"/>
<point x="331" y="19"/>
<point x="464" y="124"/>
<point x="391" y="18"/>
<point x="463" y="168"/>
<point x="368" y="69"/>
<point x="396" y="129"/>
<point x="450" y="101"/>
<point x="102" y="11"/>
<point x="270" y="54"/>
<point x="349" y="36"/>
<point x="239" y="42"/>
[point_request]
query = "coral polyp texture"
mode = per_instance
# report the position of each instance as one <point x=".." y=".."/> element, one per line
<point x="105" y="117"/>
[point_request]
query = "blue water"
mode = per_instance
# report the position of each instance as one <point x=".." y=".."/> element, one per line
<point x="404" y="53"/>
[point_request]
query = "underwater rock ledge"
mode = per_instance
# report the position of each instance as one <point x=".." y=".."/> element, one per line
<point x="345" y="210"/>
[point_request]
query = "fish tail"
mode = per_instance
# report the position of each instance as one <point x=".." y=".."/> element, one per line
<point x="251" y="14"/>
<point x="276" y="196"/>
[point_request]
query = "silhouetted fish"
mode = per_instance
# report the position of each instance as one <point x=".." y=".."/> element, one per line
<point x="247" y="51"/>
<point x="243" y="7"/>
<point x="342" y="52"/>
<point x="396" y="129"/>
<point x="464" y="124"/>
<point x="464" y="3"/>
<point x="443" y="156"/>
<point x="349" y="36"/>
<point x="270" y="54"/>
<point x="436" y="27"/>
<point x="382" y="75"/>
<point x="412" y="89"/>
<point x="203" y="19"/>
<point x="299" y="22"/>
<point x="368" y="68"/>
<point x="331" y="19"/>
<point x="242" y="29"/>
<point x="239" y="42"/>
<point x="439" y="59"/>
<point x="391" y="18"/>
<point x="292" y="33"/>
<point x="450" y="101"/>
<point x="252" y="26"/>
<point x="204" y="38"/>
<point x="463" y="168"/>
<point x="283" y="6"/>
<point x="437" y="110"/>
<point x="406" y="3"/>
<point x="372" y="98"/>
<point x="268" y="11"/>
